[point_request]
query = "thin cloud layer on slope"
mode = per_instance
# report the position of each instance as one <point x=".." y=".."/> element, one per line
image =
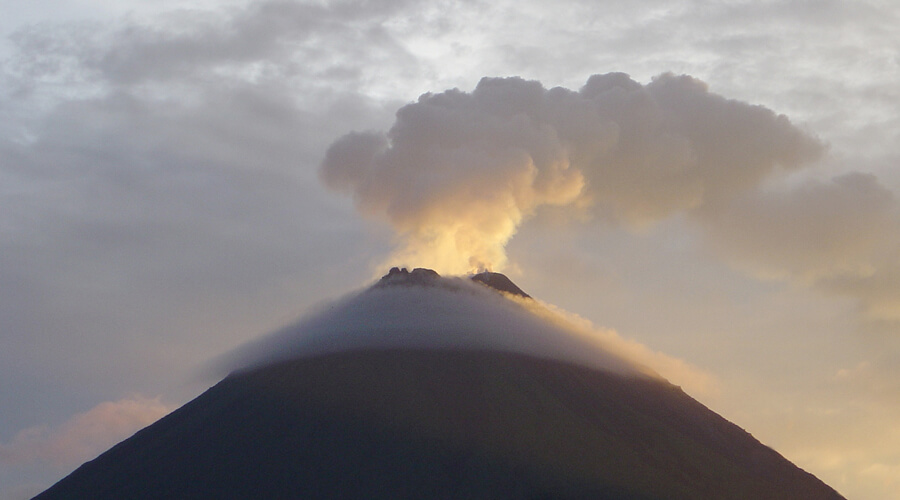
<point x="459" y="172"/>
<point x="456" y="313"/>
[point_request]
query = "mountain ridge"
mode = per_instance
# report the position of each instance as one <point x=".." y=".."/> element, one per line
<point x="440" y="424"/>
<point x="380" y="421"/>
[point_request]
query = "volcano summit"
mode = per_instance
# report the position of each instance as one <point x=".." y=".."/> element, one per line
<point x="426" y="387"/>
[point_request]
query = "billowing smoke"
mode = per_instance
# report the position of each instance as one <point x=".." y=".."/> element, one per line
<point x="459" y="172"/>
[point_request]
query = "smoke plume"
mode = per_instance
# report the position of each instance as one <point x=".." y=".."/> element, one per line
<point x="459" y="172"/>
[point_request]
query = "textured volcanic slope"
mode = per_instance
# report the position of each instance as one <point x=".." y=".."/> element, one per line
<point x="440" y="424"/>
<point x="500" y="282"/>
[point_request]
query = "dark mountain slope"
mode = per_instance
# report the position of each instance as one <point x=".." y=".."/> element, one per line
<point x="440" y="424"/>
<point x="499" y="282"/>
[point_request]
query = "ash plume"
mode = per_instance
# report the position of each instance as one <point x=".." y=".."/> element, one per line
<point x="459" y="172"/>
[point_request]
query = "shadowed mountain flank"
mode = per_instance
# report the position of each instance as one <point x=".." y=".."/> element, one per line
<point x="499" y="282"/>
<point x="366" y="410"/>
<point x="440" y="424"/>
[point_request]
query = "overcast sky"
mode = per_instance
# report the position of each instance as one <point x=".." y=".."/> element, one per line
<point x="162" y="198"/>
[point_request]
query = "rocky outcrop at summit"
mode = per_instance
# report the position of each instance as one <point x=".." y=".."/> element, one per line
<point x="423" y="277"/>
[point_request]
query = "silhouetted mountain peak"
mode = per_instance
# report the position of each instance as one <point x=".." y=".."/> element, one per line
<point x="499" y="282"/>
<point x="403" y="277"/>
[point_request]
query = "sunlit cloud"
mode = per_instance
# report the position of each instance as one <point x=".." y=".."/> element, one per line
<point x="459" y="172"/>
<point x="85" y="435"/>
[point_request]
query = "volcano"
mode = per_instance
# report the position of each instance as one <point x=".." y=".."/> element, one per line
<point x="379" y="418"/>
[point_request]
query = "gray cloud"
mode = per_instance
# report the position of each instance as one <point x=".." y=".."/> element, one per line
<point x="263" y="40"/>
<point x="157" y="199"/>
<point x="840" y="236"/>
<point x="170" y="162"/>
<point x="817" y="230"/>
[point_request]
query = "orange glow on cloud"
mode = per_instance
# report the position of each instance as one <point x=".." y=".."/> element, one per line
<point x="85" y="435"/>
<point x="459" y="172"/>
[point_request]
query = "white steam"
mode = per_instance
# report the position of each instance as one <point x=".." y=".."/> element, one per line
<point x="459" y="172"/>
